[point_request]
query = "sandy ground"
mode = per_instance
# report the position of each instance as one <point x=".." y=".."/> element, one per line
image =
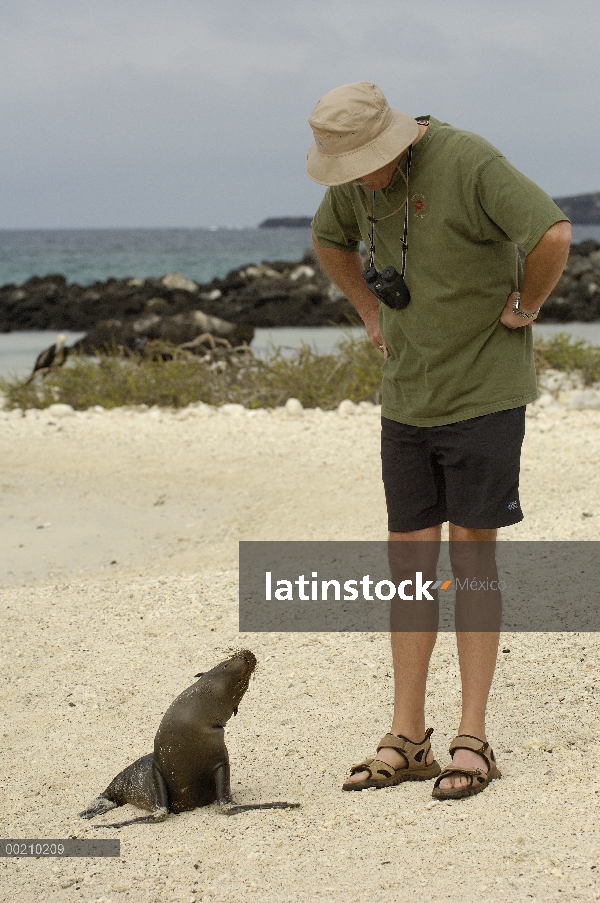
<point x="118" y="580"/>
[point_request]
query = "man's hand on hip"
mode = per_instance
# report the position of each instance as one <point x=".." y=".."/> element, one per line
<point x="543" y="266"/>
<point x="509" y="318"/>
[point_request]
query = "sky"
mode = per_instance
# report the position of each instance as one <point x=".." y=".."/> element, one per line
<point x="188" y="113"/>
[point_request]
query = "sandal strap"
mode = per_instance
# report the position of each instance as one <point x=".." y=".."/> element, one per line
<point x="414" y="753"/>
<point x="361" y="766"/>
<point x="376" y="768"/>
<point x="481" y="747"/>
<point x="382" y="770"/>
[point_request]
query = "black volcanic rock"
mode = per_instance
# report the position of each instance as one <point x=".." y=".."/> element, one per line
<point x="576" y="297"/>
<point x="281" y="293"/>
<point x="111" y="335"/>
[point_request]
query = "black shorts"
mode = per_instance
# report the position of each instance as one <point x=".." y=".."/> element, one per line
<point x="465" y="472"/>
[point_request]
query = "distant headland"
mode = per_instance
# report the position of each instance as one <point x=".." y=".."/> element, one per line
<point x="582" y="210"/>
<point x="286" y="222"/>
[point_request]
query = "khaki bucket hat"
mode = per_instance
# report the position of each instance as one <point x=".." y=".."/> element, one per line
<point x="356" y="132"/>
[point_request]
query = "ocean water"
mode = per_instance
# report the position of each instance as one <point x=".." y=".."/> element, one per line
<point x="88" y="255"/>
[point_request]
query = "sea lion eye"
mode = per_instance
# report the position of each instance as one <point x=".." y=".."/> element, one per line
<point x="202" y="673"/>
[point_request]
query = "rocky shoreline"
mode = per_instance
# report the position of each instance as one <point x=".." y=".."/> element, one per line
<point x="577" y="295"/>
<point x="274" y="294"/>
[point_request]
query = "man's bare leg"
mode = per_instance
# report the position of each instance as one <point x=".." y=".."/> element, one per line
<point x="477" y="654"/>
<point x="410" y="654"/>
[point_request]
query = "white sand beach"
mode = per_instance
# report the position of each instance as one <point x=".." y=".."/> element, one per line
<point x="118" y="581"/>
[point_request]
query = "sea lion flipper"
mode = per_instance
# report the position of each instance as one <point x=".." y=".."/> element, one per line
<point x="233" y="809"/>
<point x="159" y="798"/>
<point x="223" y="784"/>
<point x="139" y="777"/>
<point x="227" y="804"/>
<point x="97" y="807"/>
<point x="157" y="815"/>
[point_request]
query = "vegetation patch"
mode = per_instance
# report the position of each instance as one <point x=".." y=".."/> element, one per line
<point x="317" y="380"/>
<point x="354" y="372"/>
<point x="561" y="353"/>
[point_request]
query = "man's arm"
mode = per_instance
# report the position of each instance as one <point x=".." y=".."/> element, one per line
<point x="345" y="268"/>
<point x="543" y="268"/>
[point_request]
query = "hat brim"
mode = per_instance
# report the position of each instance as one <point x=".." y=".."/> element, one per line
<point x="337" y="169"/>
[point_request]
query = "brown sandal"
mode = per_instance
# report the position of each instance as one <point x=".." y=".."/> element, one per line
<point x="479" y="778"/>
<point x="383" y="775"/>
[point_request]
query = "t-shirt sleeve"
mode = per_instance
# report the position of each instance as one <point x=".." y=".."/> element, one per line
<point x="519" y="207"/>
<point x="334" y="224"/>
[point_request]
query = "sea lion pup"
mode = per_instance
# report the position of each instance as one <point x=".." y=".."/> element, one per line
<point x="190" y="765"/>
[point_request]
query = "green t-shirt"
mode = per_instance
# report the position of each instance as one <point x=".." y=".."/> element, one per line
<point x="449" y="357"/>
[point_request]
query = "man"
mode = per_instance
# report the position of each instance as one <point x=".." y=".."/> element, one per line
<point x="458" y="364"/>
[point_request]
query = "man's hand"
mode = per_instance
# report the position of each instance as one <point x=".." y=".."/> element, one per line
<point x="371" y="321"/>
<point x="510" y="319"/>
<point x="543" y="266"/>
<point x="345" y="268"/>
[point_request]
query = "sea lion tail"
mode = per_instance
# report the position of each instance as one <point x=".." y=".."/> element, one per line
<point x="97" y="807"/>
<point x="156" y="816"/>
<point x="233" y="808"/>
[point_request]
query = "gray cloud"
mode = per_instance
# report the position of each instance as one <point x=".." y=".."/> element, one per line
<point x="194" y="113"/>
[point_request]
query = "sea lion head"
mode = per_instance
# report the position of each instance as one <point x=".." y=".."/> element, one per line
<point x="226" y="683"/>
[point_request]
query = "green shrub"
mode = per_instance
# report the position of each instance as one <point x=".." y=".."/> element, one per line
<point x="353" y="371"/>
<point x="561" y="353"/>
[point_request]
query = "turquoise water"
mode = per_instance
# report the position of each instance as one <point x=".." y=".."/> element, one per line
<point x="89" y="255"/>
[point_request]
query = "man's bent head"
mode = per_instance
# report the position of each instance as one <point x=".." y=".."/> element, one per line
<point x="357" y="135"/>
